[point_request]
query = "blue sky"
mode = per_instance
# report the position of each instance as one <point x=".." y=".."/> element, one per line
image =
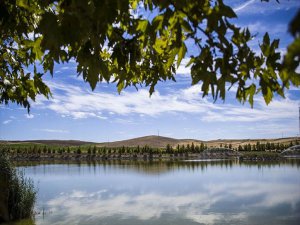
<point x="175" y="109"/>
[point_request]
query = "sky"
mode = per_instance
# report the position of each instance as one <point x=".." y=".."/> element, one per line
<point x="176" y="109"/>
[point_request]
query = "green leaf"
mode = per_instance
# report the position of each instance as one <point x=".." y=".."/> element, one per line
<point x="134" y="3"/>
<point x="181" y="53"/>
<point x="106" y="40"/>
<point x="192" y="60"/>
<point x="120" y="86"/>
<point x="142" y="25"/>
<point x="227" y="11"/>
<point x="23" y="4"/>
<point x="268" y="94"/>
<point x="294" y="26"/>
<point x="157" y="22"/>
<point x="250" y="91"/>
<point x="266" y="40"/>
<point x="37" y="49"/>
<point x="186" y="26"/>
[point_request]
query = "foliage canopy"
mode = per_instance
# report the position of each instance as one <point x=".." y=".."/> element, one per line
<point x="139" y="42"/>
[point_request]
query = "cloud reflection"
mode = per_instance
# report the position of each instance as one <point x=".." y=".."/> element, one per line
<point x="202" y="208"/>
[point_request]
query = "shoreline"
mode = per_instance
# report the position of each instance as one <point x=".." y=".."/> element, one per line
<point x="144" y="157"/>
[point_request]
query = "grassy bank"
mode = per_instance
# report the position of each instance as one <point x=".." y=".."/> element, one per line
<point x="17" y="196"/>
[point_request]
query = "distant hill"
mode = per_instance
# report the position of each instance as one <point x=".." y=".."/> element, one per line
<point x="236" y="142"/>
<point x="155" y="142"/>
<point x="51" y="142"/>
<point x="160" y="142"/>
<point x="152" y="141"/>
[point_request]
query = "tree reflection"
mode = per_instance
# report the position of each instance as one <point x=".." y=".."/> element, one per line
<point x="164" y="166"/>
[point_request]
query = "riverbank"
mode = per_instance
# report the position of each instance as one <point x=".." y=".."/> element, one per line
<point x="245" y="156"/>
<point x="47" y="152"/>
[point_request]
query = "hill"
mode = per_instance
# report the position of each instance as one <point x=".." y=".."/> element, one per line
<point x="155" y="142"/>
<point x="51" y="142"/>
<point x="160" y="142"/>
<point x="152" y="141"/>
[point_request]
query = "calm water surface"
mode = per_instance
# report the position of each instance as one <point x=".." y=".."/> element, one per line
<point x="167" y="193"/>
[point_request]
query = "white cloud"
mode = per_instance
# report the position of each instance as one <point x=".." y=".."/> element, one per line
<point x="83" y="115"/>
<point x="182" y="69"/>
<point x="6" y="122"/>
<point x="78" y="103"/>
<point x="258" y="7"/>
<point x="54" y="131"/>
<point x="123" y="121"/>
<point x="29" y="116"/>
<point x="276" y="110"/>
<point x="262" y="28"/>
<point x="243" y="6"/>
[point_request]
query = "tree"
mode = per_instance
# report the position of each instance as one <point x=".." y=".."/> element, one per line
<point x="258" y="146"/>
<point x="78" y="151"/>
<point x="202" y="146"/>
<point x="114" y="41"/>
<point x="168" y="149"/>
<point x="249" y="147"/>
<point x="94" y="150"/>
<point x="240" y="148"/>
<point x="89" y="151"/>
<point x="192" y="147"/>
<point x="197" y="148"/>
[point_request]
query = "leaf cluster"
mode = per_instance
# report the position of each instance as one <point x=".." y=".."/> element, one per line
<point x="138" y="42"/>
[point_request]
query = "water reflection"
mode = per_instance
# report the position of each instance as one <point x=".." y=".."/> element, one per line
<point x="226" y="192"/>
<point x="149" y="206"/>
<point x="153" y="167"/>
<point x="229" y="203"/>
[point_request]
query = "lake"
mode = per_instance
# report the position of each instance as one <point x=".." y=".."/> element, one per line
<point x="184" y="192"/>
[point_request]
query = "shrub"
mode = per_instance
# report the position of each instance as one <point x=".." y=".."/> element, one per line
<point x="18" y="195"/>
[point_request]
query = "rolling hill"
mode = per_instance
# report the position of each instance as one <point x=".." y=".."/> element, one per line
<point x="154" y="141"/>
<point x="160" y="142"/>
<point x="51" y="142"/>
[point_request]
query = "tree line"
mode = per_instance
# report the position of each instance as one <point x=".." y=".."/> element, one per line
<point x="179" y="149"/>
<point x="268" y="146"/>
